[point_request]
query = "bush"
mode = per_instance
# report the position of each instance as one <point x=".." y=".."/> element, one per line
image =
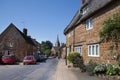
<point x="77" y="60"/>
<point x="80" y="63"/>
<point x="100" y="69"/>
<point x="73" y="56"/>
<point x="90" y="67"/>
<point x="113" y="69"/>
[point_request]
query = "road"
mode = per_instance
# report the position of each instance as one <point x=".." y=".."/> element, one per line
<point x="40" y="71"/>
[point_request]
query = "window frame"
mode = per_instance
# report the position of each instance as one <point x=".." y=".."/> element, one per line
<point x="85" y="10"/>
<point x="78" y="49"/>
<point x="89" y="24"/>
<point x="94" y="50"/>
<point x="68" y="51"/>
<point x="69" y="34"/>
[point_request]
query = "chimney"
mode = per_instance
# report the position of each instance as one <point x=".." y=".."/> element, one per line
<point x="25" y="31"/>
<point x="83" y="1"/>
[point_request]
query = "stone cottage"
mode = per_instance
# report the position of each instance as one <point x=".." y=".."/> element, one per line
<point x="13" y="41"/>
<point x="82" y="33"/>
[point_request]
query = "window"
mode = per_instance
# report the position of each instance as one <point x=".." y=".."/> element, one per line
<point x="85" y="9"/>
<point x="69" y="34"/>
<point x="68" y="51"/>
<point x="89" y="24"/>
<point x="78" y="49"/>
<point x="93" y="50"/>
<point x="10" y="44"/>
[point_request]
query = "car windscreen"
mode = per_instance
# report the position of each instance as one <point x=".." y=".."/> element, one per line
<point x="6" y="57"/>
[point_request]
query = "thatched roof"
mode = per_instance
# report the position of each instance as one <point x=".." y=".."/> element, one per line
<point x="93" y="7"/>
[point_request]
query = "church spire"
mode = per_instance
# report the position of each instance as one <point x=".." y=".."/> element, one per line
<point x="57" y="44"/>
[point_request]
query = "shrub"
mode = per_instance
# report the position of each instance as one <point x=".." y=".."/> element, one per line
<point x="100" y="69"/>
<point x="77" y="60"/>
<point x="113" y="69"/>
<point x="73" y="56"/>
<point x="90" y="67"/>
<point x="80" y="63"/>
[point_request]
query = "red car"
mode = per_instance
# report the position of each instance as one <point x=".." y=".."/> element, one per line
<point x="8" y="59"/>
<point x="29" y="60"/>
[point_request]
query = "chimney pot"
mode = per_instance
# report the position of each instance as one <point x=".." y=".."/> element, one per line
<point x="25" y="31"/>
<point x="83" y="1"/>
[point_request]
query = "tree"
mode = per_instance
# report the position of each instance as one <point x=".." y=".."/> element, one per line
<point x="46" y="47"/>
<point x="49" y="44"/>
<point x="111" y="31"/>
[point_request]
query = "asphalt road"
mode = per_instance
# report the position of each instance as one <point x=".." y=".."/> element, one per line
<point x="40" y="71"/>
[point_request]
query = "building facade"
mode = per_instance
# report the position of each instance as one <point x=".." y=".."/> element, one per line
<point x="82" y="33"/>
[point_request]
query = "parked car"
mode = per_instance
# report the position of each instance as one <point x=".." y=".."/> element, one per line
<point x="29" y="60"/>
<point x="37" y="56"/>
<point x="8" y="59"/>
<point x="42" y="57"/>
<point x="1" y="58"/>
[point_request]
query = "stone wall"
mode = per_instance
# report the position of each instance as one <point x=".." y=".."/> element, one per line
<point x="85" y="37"/>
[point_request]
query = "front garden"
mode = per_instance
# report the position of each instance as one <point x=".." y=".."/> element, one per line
<point x="102" y="70"/>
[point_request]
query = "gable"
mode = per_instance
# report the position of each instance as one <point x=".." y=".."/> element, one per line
<point x="12" y="33"/>
<point x="9" y="33"/>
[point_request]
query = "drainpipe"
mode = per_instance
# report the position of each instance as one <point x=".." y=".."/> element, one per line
<point x="66" y="55"/>
<point x="73" y="38"/>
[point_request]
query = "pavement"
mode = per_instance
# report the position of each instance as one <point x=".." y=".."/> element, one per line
<point x="64" y="73"/>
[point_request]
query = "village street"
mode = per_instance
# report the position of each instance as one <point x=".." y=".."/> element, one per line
<point x="39" y="71"/>
<point x="52" y="69"/>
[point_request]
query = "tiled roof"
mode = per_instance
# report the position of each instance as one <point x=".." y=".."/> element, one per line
<point x="93" y="5"/>
<point x="27" y="39"/>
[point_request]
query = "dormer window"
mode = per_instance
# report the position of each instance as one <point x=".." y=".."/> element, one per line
<point x="84" y="1"/>
<point x="85" y="9"/>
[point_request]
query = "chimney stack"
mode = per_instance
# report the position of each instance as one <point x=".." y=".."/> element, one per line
<point x="83" y="1"/>
<point x="25" y="31"/>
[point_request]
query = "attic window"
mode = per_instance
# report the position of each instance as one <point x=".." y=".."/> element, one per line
<point x="84" y="10"/>
<point x="10" y="44"/>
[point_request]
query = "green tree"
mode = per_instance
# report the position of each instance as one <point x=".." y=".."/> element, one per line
<point x="49" y="44"/>
<point x="46" y="47"/>
<point x="111" y="31"/>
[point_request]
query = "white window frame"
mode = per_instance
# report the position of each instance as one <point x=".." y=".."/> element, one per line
<point x="89" y="24"/>
<point x="68" y="51"/>
<point x="84" y="10"/>
<point x="93" y="50"/>
<point x="78" y="49"/>
<point x="69" y="34"/>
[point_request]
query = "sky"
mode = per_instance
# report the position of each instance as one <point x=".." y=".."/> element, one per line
<point x="44" y="19"/>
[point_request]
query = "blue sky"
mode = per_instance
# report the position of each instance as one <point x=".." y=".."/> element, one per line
<point x="44" y="19"/>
